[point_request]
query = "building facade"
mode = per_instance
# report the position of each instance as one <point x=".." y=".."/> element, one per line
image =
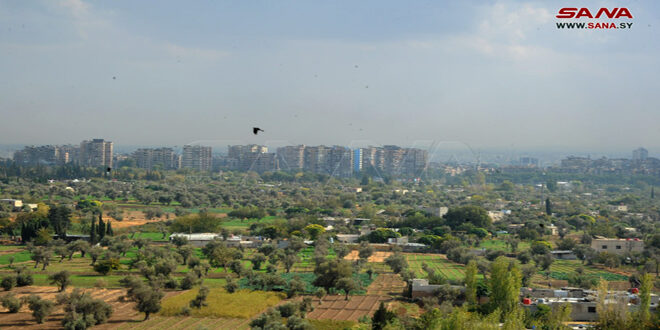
<point x="198" y="158"/>
<point x="96" y="153"/>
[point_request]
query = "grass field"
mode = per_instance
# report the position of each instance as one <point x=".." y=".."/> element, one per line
<point x="560" y="269"/>
<point x="244" y="224"/>
<point x="446" y="268"/>
<point x="220" y="303"/>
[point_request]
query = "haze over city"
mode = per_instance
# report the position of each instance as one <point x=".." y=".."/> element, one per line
<point x="491" y="75"/>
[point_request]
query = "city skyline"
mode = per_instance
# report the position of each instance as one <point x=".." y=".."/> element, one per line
<point x="488" y="74"/>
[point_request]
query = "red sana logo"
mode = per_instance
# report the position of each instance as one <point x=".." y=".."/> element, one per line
<point x="602" y="12"/>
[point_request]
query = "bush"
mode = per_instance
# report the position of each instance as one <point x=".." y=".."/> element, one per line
<point x="40" y="308"/>
<point x="200" y="299"/>
<point x="288" y="309"/>
<point x="105" y="266"/>
<point x="8" y="282"/>
<point x="100" y="283"/>
<point x="82" y="311"/>
<point x="188" y="281"/>
<point x="10" y="302"/>
<point x="62" y="279"/>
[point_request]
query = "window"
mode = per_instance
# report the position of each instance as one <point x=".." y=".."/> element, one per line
<point x="604" y="247"/>
<point x="618" y="247"/>
<point x="591" y="309"/>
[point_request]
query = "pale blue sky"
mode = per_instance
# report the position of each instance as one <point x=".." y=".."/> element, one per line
<point x="485" y="73"/>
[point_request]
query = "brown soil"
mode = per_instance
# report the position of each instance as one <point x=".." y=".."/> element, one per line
<point x="123" y="310"/>
<point x="378" y="256"/>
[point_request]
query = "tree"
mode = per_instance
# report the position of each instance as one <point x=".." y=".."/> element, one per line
<point x="381" y="317"/>
<point x="257" y="260"/>
<point x="94" y="253"/>
<point x="40" y="308"/>
<point x="341" y="250"/>
<point x="470" y="280"/>
<point x="108" y="229"/>
<point x="330" y="271"/>
<point x="100" y="230"/>
<point x="320" y="293"/>
<point x="60" y="219"/>
<point x="62" y="279"/>
<point x="544" y="261"/>
<point x="147" y="299"/>
<point x="540" y="247"/>
<point x="10" y="302"/>
<point x="93" y="232"/>
<point x="643" y="314"/>
<point x="548" y="206"/>
<point x="397" y="262"/>
<point x="505" y="284"/>
<point x="107" y="265"/>
<point x="475" y="215"/>
<point x="231" y="285"/>
<point x="179" y="241"/>
<point x="314" y="231"/>
<point x="348" y="285"/>
<point x="8" y="282"/>
<point x="200" y="299"/>
<point x="296" y="287"/>
<point x="82" y="311"/>
<point x="290" y="259"/>
<point x="365" y="251"/>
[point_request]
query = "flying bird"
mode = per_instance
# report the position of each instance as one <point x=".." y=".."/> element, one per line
<point x="256" y="130"/>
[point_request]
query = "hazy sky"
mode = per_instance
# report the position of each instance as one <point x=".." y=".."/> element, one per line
<point x="483" y="73"/>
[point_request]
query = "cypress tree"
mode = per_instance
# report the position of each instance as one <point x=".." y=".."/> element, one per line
<point x="652" y="192"/>
<point x="92" y="234"/>
<point x="101" y="229"/>
<point x="548" y="206"/>
<point x="108" y="229"/>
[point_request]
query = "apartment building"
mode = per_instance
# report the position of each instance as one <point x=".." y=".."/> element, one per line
<point x="197" y="158"/>
<point x="96" y="153"/>
<point x="165" y="158"/>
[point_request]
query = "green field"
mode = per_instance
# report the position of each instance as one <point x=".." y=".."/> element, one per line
<point x="447" y="268"/>
<point x="241" y="304"/>
<point x="560" y="269"/>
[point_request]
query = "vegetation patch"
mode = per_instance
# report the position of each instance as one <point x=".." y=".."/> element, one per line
<point x="220" y="303"/>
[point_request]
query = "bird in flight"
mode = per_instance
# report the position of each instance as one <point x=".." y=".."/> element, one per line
<point x="256" y="130"/>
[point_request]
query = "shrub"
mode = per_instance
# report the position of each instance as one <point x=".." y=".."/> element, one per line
<point x="288" y="309"/>
<point x="40" y="308"/>
<point x="62" y="279"/>
<point x="10" y="302"/>
<point x="200" y="299"/>
<point x="105" y="266"/>
<point x="100" y="283"/>
<point x="188" y="281"/>
<point x="8" y="282"/>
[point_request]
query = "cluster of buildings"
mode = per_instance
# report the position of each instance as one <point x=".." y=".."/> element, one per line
<point x="640" y="163"/>
<point x="332" y="160"/>
<point x="96" y="153"/>
<point x="100" y="153"/>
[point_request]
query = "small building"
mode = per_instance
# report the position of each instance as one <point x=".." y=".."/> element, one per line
<point x="347" y="238"/>
<point x="563" y="254"/>
<point x="618" y="246"/>
<point x="197" y="240"/>
<point x="16" y="204"/>
<point x="360" y="221"/>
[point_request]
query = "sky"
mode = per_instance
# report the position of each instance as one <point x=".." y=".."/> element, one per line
<point x="463" y="74"/>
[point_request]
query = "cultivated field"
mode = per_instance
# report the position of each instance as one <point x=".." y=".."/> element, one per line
<point x="437" y="262"/>
<point x="123" y="311"/>
<point x="336" y="308"/>
<point x="378" y="256"/>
